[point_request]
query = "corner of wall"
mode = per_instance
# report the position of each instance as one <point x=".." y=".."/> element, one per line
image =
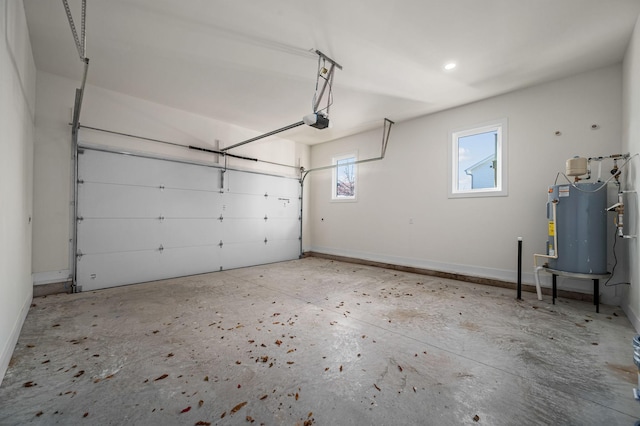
<point x="10" y="344"/>
<point x="631" y="144"/>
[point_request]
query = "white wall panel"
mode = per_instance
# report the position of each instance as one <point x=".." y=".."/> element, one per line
<point x="145" y="219"/>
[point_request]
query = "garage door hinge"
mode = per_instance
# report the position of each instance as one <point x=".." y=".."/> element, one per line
<point x="220" y="218"/>
<point x="161" y="218"/>
<point x="161" y="248"/>
<point x="265" y="218"/>
<point x="266" y="195"/>
<point x="79" y="255"/>
<point x="265" y="240"/>
<point x="161" y="187"/>
<point x="80" y="219"/>
<point x="80" y="181"/>
<point x="220" y="244"/>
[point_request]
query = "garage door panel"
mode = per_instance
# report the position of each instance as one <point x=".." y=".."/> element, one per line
<point x="190" y="232"/>
<point x="113" y="235"/>
<point x="116" y="269"/>
<point x="99" y="166"/>
<point x="190" y="176"/>
<point x="100" y="200"/>
<point x="244" y="183"/>
<point x="283" y="207"/>
<point x="283" y="229"/>
<point x="238" y="255"/>
<point x="147" y="219"/>
<point x="96" y="271"/>
<point x="183" y="261"/>
<point x="243" y="205"/>
<point x="186" y="203"/>
<point x="243" y="230"/>
<point x="277" y="249"/>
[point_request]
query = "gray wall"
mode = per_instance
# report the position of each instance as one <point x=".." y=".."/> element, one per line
<point x="403" y="215"/>
<point x="631" y="143"/>
<point x="17" y="106"/>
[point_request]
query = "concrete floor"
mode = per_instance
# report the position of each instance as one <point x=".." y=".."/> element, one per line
<point x="319" y="342"/>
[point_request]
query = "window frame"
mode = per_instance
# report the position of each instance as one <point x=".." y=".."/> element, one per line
<point x="501" y="189"/>
<point x="334" y="178"/>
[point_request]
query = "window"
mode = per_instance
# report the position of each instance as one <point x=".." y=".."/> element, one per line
<point x="478" y="161"/>
<point x="344" y="178"/>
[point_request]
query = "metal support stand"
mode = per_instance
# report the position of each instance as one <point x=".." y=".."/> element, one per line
<point x="596" y="283"/>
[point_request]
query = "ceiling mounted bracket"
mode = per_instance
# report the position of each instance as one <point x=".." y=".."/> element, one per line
<point x="327" y="76"/>
<point x="320" y="117"/>
<point x="81" y="42"/>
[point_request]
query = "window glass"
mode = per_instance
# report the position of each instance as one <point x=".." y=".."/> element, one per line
<point x="478" y="161"/>
<point x="344" y="178"/>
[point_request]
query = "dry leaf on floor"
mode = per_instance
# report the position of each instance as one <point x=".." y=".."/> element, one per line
<point x="476" y="418"/>
<point x="263" y="397"/>
<point x="376" y="386"/>
<point x="238" y="407"/>
<point x="184" y="410"/>
<point x="164" y="376"/>
<point x="297" y="396"/>
<point x="250" y="419"/>
<point x="201" y="423"/>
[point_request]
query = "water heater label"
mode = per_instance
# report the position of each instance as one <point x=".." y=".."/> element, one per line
<point x="563" y="191"/>
<point x="552" y="228"/>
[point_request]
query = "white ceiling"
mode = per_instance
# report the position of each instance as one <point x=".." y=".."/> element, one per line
<point x="249" y="62"/>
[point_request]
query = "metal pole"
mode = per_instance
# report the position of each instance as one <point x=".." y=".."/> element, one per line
<point x="519" y="296"/>
<point x="301" y="211"/>
<point x="274" y="132"/>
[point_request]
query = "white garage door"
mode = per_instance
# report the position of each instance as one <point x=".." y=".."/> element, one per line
<point x="142" y="219"/>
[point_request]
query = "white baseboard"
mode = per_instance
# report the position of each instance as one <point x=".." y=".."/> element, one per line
<point x="7" y="350"/>
<point x="50" y="277"/>
<point x="631" y="314"/>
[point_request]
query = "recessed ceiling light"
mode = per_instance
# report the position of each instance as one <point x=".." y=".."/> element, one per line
<point x="450" y="66"/>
